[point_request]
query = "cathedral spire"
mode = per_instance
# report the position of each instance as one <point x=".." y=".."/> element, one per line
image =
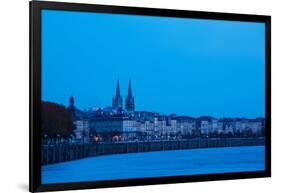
<point x="130" y="89"/>
<point x="117" y="90"/>
<point x="117" y="100"/>
<point x="130" y="101"/>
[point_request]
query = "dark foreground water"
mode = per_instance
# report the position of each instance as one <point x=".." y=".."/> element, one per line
<point x="155" y="164"/>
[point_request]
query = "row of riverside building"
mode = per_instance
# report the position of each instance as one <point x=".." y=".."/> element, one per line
<point x="128" y="124"/>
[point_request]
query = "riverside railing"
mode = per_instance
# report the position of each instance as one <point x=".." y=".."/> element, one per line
<point x="56" y="153"/>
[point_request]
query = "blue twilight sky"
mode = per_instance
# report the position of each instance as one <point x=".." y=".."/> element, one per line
<point x="185" y="66"/>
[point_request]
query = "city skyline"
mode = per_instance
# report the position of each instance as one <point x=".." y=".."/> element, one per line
<point x="174" y="65"/>
<point x="123" y="105"/>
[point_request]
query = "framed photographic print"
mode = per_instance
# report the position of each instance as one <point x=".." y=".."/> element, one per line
<point x="126" y="96"/>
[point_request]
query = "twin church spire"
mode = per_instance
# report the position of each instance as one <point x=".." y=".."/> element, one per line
<point x="117" y="101"/>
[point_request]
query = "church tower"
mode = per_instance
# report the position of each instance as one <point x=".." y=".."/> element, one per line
<point x="71" y="101"/>
<point x="117" y="100"/>
<point x="71" y="107"/>
<point x="130" y="101"/>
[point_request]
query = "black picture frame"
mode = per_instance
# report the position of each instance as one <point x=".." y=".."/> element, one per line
<point x="35" y="95"/>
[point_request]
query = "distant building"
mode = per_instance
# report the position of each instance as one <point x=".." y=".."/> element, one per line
<point x="255" y="125"/>
<point x="205" y="127"/>
<point x="184" y="124"/>
<point x="121" y="126"/>
<point x="206" y="124"/>
<point x="82" y="130"/>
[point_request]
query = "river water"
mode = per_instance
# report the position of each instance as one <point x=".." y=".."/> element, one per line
<point x="157" y="164"/>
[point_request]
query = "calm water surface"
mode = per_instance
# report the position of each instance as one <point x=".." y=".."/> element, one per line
<point x="155" y="164"/>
